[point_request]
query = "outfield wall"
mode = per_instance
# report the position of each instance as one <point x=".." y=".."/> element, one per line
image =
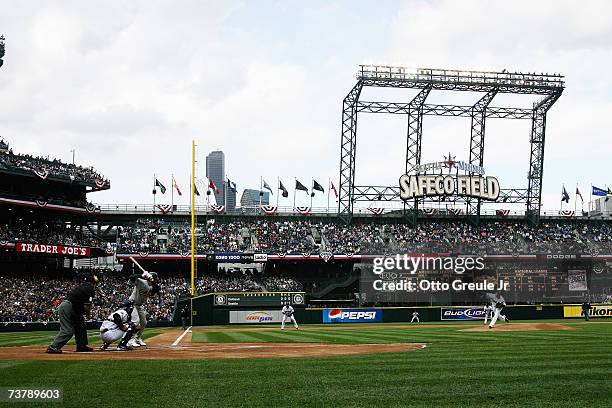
<point x="204" y="313"/>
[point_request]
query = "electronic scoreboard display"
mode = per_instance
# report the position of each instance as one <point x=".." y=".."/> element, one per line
<point x="259" y="299"/>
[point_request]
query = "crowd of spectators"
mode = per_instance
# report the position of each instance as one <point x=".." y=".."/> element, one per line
<point x="46" y="233"/>
<point x="36" y="298"/>
<point x="51" y="167"/>
<point x="311" y="236"/>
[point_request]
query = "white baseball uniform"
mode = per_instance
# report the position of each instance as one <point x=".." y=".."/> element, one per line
<point x="110" y="331"/>
<point x="488" y="313"/>
<point x="497" y="300"/>
<point x="415" y="316"/>
<point x="287" y="312"/>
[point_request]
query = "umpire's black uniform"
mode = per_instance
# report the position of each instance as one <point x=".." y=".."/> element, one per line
<point x="72" y="318"/>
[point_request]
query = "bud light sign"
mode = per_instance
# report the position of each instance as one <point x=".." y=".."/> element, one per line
<point x="462" y="313"/>
<point x="352" y="315"/>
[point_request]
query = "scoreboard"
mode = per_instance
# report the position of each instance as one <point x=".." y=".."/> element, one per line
<point x="258" y="299"/>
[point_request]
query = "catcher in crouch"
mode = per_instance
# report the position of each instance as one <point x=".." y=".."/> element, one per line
<point x="118" y="326"/>
<point x="145" y="285"/>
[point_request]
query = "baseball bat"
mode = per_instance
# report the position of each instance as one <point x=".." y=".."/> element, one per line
<point x="137" y="264"/>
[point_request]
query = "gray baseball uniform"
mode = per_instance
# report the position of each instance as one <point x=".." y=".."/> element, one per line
<point x="140" y="295"/>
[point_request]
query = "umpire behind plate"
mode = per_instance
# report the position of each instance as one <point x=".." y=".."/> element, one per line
<point x="72" y="313"/>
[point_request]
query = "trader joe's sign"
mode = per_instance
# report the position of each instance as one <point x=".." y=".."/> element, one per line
<point x="53" y="249"/>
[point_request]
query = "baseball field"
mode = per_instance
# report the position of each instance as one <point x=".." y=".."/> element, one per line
<point x="521" y="364"/>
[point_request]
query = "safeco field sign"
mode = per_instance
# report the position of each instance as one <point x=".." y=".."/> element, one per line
<point x="352" y="315"/>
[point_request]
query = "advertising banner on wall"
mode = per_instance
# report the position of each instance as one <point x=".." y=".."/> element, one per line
<point x="595" y="311"/>
<point x="352" y="315"/>
<point x="255" y="316"/>
<point x="462" y="313"/>
<point x="52" y="249"/>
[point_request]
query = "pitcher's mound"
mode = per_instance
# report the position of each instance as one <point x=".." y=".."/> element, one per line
<point x="513" y="327"/>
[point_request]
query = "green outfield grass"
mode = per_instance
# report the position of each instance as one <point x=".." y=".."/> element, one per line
<point x="457" y="368"/>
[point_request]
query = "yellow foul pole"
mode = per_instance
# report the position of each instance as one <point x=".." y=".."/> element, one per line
<point x="193" y="218"/>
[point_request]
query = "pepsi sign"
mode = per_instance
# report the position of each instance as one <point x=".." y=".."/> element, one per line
<point x="462" y="313"/>
<point x="352" y="315"/>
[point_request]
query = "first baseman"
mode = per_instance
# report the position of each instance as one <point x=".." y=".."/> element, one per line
<point x="288" y="314"/>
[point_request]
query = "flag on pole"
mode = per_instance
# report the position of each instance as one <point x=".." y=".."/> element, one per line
<point x="195" y="190"/>
<point x="317" y="186"/>
<point x="231" y="185"/>
<point x="579" y="195"/>
<point x="333" y="188"/>
<point x="564" y="196"/>
<point x="300" y="186"/>
<point x="267" y="187"/>
<point x="598" y="191"/>
<point x="283" y="189"/>
<point x="212" y="186"/>
<point x="162" y="188"/>
<point x="174" y="185"/>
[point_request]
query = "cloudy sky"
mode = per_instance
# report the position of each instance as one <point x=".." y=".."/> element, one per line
<point x="130" y="84"/>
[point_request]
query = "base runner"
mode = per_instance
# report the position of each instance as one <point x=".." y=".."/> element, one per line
<point x="287" y="312"/>
<point x="118" y="326"/>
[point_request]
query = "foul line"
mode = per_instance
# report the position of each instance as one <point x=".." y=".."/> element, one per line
<point x="179" y="338"/>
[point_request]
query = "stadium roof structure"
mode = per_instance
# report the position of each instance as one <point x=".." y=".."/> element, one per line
<point x="550" y="86"/>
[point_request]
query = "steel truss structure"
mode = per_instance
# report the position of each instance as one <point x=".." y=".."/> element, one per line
<point x="550" y="86"/>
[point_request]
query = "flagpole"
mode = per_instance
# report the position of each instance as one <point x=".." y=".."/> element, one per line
<point x="295" y="179"/>
<point x="311" y="193"/>
<point x="260" y="191"/>
<point x="172" y="196"/>
<point x="154" y="180"/>
<point x="328" y="191"/>
<point x="192" y="185"/>
<point x="590" y="199"/>
<point x="277" y="185"/>
<point x="575" y="198"/>
<point x="225" y="186"/>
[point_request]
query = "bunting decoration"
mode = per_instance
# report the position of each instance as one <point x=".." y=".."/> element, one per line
<point x="269" y="209"/>
<point x="303" y="210"/>
<point x="43" y="174"/>
<point x="164" y="208"/>
<point x="376" y="211"/>
<point x="99" y="183"/>
<point x="144" y="253"/>
<point x="502" y="213"/>
<point x="41" y="203"/>
<point x="217" y="208"/>
<point x="90" y="208"/>
<point x="567" y="213"/>
<point x="455" y="211"/>
<point x="428" y="212"/>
